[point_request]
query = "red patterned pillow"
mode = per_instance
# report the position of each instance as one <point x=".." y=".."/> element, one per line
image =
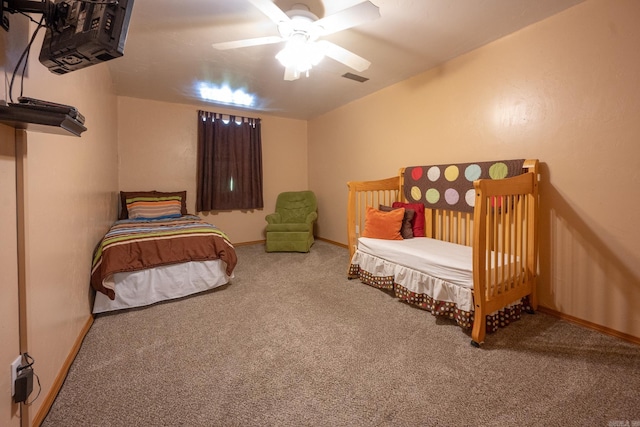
<point x="418" y="222"/>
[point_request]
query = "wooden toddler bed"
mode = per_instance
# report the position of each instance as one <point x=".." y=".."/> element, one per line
<point x="457" y="240"/>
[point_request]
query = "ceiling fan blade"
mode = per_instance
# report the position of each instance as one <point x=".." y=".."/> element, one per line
<point x="290" y="74"/>
<point x="344" y="56"/>
<point x="270" y="9"/>
<point x="247" y="42"/>
<point x="349" y="17"/>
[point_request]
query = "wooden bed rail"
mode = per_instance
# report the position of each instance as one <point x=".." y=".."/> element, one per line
<point x="447" y="225"/>
<point x="368" y="193"/>
<point x="505" y="256"/>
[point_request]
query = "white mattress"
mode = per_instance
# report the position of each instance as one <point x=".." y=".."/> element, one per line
<point x="446" y="261"/>
<point x="145" y="287"/>
<point x="442" y="270"/>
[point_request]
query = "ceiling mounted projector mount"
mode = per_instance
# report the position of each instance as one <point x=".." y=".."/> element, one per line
<point x="302" y="30"/>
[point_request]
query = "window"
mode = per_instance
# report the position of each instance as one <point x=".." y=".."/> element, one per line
<point x="229" y="163"/>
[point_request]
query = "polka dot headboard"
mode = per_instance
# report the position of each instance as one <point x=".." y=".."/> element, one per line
<point x="451" y="186"/>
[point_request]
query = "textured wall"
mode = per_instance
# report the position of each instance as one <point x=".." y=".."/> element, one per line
<point x="10" y="348"/>
<point x="158" y="151"/>
<point x="70" y="197"/>
<point x="566" y="91"/>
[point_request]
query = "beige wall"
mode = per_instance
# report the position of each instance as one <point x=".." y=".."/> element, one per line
<point x="158" y="150"/>
<point x="566" y="91"/>
<point x="10" y="348"/>
<point x="70" y="198"/>
<point x="9" y="320"/>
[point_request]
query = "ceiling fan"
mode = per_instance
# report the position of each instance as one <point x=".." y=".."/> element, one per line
<point x="301" y="30"/>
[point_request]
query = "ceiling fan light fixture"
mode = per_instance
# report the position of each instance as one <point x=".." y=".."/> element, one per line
<point x="302" y="30"/>
<point x="300" y="54"/>
<point x="299" y="24"/>
<point x="286" y="29"/>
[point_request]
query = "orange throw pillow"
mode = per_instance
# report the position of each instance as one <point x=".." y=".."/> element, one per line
<point x="383" y="225"/>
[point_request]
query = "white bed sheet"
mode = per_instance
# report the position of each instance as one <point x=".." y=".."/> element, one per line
<point x="145" y="287"/>
<point x="447" y="261"/>
<point x="442" y="270"/>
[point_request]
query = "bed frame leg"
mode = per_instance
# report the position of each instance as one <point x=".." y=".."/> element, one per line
<point x="479" y="327"/>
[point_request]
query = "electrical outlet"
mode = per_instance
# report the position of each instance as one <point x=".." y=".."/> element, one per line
<point x="14" y="373"/>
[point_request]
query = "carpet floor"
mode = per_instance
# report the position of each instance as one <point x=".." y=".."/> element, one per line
<point x="291" y="342"/>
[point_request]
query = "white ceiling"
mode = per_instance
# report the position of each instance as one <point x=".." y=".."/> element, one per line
<point x="168" y="50"/>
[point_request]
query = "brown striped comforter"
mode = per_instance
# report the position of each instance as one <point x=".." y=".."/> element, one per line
<point x="132" y="245"/>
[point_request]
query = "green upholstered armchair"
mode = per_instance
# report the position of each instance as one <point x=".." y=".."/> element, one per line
<point x="290" y="228"/>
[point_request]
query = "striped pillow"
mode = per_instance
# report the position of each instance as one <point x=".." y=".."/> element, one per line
<point x="124" y="195"/>
<point x="154" y="207"/>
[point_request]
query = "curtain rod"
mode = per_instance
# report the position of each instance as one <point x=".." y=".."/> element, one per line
<point x="222" y="115"/>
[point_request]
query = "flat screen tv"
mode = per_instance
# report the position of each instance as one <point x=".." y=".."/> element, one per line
<point x="84" y="33"/>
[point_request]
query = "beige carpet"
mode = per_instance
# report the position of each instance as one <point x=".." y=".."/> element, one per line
<point x="292" y="342"/>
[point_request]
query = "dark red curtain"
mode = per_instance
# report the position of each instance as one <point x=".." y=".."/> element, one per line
<point x="229" y="162"/>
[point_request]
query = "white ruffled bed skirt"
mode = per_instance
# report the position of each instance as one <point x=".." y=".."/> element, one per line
<point x="416" y="281"/>
<point x="435" y="295"/>
<point x="146" y="287"/>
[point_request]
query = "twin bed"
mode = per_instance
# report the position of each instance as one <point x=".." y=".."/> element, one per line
<point x="457" y="240"/>
<point x="156" y="251"/>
